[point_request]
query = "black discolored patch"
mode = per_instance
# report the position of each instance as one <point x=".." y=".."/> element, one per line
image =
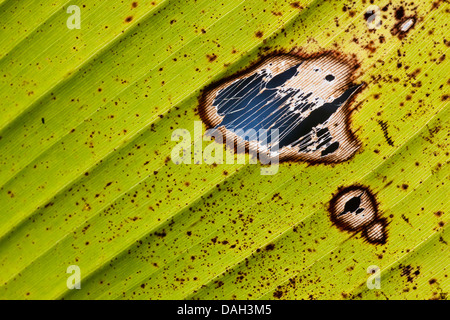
<point x="355" y="209"/>
<point x="305" y="98"/>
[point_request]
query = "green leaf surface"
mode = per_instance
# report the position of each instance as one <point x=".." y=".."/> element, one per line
<point x="86" y="176"/>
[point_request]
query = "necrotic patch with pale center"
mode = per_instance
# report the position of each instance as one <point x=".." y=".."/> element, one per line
<point x="355" y="209"/>
<point x="303" y="99"/>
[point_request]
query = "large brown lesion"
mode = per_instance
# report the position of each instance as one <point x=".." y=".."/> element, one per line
<point x="327" y="76"/>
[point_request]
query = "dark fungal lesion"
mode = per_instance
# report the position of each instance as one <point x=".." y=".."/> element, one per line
<point x="306" y="98"/>
<point x="355" y="209"/>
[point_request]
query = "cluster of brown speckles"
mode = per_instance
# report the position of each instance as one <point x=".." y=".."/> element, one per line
<point x="355" y="209"/>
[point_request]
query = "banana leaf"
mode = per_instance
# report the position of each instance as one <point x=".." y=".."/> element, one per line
<point x="87" y="178"/>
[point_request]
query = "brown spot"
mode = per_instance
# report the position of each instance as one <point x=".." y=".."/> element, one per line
<point x="259" y="34"/>
<point x="134" y="4"/>
<point x="368" y="14"/>
<point x="129" y="19"/>
<point x="435" y="5"/>
<point x="438" y="213"/>
<point x="49" y="204"/>
<point x="278" y="294"/>
<point x="296" y="5"/>
<point x="409" y="273"/>
<point x="211" y="57"/>
<point x="371" y="46"/>
<point x="277" y="197"/>
<point x="399" y="13"/>
<point x="416" y="72"/>
<point x="161" y="234"/>
<point x="405" y="219"/>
